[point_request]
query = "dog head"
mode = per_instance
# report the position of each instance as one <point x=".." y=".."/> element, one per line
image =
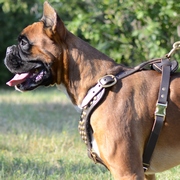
<point x="37" y="59"/>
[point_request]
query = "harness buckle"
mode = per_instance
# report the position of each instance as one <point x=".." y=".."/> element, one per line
<point x="93" y="156"/>
<point x="107" y="81"/>
<point x="145" y="166"/>
<point x="161" y="110"/>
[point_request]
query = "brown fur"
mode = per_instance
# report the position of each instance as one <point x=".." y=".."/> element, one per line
<point x="123" y="121"/>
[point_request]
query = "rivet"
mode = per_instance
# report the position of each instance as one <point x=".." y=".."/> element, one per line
<point x="95" y="98"/>
<point x="162" y="96"/>
<point x="163" y="89"/>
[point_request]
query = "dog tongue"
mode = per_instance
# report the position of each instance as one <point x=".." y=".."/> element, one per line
<point x="17" y="79"/>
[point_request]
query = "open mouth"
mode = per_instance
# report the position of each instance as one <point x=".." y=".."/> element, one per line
<point x="30" y="80"/>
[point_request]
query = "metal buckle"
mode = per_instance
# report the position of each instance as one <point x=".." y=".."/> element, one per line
<point x="94" y="156"/>
<point x="109" y="80"/>
<point x="145" y="167"/>
<point x="161" y="110"/>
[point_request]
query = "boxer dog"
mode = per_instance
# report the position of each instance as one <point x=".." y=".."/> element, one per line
<point x="47" y="54"/>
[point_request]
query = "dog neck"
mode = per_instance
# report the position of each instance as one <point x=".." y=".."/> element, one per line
<point x="83" y="67"/>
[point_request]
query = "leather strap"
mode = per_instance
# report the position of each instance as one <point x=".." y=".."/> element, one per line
<point x="110" y="80"/>
<point x="95" y="94"/>
<point x="158" y="66"/>
<point x="104" y="82"/>
<point x="160" y="114"/>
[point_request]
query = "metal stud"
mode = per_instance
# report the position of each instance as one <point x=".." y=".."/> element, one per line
<point x="85" y="107"/>
<point x="84" y="113"/>
<point x="85" y="138"/>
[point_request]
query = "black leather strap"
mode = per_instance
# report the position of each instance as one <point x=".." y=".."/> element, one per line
<point x="110" y="80"/>
<point x="158" y="66"/>
<point x="160" y="114"/>
<point x="95" y="94"/>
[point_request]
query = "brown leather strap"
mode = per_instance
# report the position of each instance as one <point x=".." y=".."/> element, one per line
<point x="160" y="114"/>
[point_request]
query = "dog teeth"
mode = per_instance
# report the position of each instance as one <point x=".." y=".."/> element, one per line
<point x="39" y="77"/>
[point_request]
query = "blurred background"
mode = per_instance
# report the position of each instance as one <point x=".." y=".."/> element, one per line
<point x="128" y="31"/>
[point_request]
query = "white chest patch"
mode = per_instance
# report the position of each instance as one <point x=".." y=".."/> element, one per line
<point x="95" y="146"/>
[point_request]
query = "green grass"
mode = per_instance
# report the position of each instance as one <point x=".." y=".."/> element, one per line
<point x="39" y="140"/>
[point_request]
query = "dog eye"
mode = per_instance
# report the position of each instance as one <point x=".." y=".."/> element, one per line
<point x="23" y="42"/>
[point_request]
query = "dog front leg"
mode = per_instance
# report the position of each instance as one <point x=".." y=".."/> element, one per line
<point x="123" y="160"/>
<point x="127" y="175"/>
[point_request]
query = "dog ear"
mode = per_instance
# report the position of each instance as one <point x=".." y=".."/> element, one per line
<point x="52" y="21"/>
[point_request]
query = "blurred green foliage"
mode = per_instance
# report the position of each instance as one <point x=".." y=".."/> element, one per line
<point x="128" y="31"/>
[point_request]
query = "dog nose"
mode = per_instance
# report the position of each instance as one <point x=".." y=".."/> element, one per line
<point x="9" y="49"/>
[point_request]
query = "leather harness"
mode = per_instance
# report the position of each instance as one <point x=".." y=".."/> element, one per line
<point x="95" y="94"/>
